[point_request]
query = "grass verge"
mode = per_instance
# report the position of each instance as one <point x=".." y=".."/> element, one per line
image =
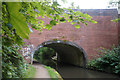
<point x="53" y="73"/>
<point x="30" y="72"/>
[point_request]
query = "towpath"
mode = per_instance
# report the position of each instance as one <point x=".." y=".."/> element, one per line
<point x="41" y="72"/>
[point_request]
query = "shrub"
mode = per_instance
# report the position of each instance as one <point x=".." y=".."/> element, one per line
<point x="109" y="60"/>
<point x="12" y="63"/>
<point x="44" y="56"/>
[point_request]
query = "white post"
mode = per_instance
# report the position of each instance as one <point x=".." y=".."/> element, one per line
<point x="31" y="58"/>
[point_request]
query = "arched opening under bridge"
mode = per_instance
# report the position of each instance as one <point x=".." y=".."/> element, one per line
<point x="68" y="52"/>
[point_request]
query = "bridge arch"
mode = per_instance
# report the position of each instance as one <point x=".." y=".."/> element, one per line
<point x="68" y="52"/>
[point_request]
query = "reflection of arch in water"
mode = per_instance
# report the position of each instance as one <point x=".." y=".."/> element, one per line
<point x="68" y="52"/>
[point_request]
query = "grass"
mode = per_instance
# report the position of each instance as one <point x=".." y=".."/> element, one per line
<point x="53" y="73"/>
<point x="30" y="72"/>
<point x="34" y="59"/>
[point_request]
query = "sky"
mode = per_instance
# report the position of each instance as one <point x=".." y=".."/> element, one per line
<point x="87" y="4"/>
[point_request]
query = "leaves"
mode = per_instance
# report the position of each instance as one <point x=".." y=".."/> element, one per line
<point x="116" y="20"/>
<point x="110" y="58"/>
<point x="11" y="69"/>
<point x="78" y="13"/>
<point x="17" y="20"/>
<point x="55" y="14"/>
<point x="62" y="19"/>
<point x="47" y="26"/>
<point x="53" y="22"/>
<point x="42" y="12"/>
<point x="92" y="21"/>
<point x="77" y="26"/>
<point x="33" y="9"/>
<point x="48" y="12"/>
<point x="65" y="15"/>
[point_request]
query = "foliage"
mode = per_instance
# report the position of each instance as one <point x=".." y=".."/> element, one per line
<point x="116" y="20"/>
<point x="16" y="16"/>
<point x="53" y="73"/>
<point x="114" y="3"/>
<point x="56" y="15"/>
<point x="109" y="60"/>
<point x="17" y="20"/>
<point x="73" y="6"/>
<point x="64" y="1"/>
<point x="9" y="34"/>
<point x="44" y="56"/>
<point x="30" y="72"/>
<point x="12" y="63"/>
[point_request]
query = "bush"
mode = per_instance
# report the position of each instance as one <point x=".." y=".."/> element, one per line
<point x="44" y="56"/>
<point x="12" y="63"/>
<point x="109" y="60"/>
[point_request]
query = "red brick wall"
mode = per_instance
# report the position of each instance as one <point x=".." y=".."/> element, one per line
<point x="90" y="38"/>
<point x="119" y="29"/>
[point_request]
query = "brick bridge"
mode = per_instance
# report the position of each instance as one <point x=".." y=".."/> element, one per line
<point x="88" y="38"/>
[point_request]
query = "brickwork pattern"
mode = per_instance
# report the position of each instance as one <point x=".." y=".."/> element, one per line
<point x="90" y="38"/>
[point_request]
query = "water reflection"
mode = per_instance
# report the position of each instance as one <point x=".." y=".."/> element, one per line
<point x="70" y="71"/>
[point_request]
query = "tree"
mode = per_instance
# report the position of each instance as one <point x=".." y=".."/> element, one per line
<point x="78" y="7"/>
<point x="64" y="1"/>
<point x="114" y="3"/>
<point x="17" y="15"/>
<point x="73" y="6"/>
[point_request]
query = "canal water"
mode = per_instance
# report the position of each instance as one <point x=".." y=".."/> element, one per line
<point x="70" y="71"/>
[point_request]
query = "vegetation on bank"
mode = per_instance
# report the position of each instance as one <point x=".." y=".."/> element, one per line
<point x="30" y="71"/>
<point x="53" y="73"/>
<point x="108" y="61"/>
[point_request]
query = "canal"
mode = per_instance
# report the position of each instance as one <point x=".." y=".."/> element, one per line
<point x="70" y="71"/>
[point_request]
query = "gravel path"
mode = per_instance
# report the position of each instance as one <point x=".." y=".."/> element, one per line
<point x="41" y="72"/>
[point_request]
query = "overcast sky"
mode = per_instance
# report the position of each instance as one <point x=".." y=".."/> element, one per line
<point x="87" y="4"/>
